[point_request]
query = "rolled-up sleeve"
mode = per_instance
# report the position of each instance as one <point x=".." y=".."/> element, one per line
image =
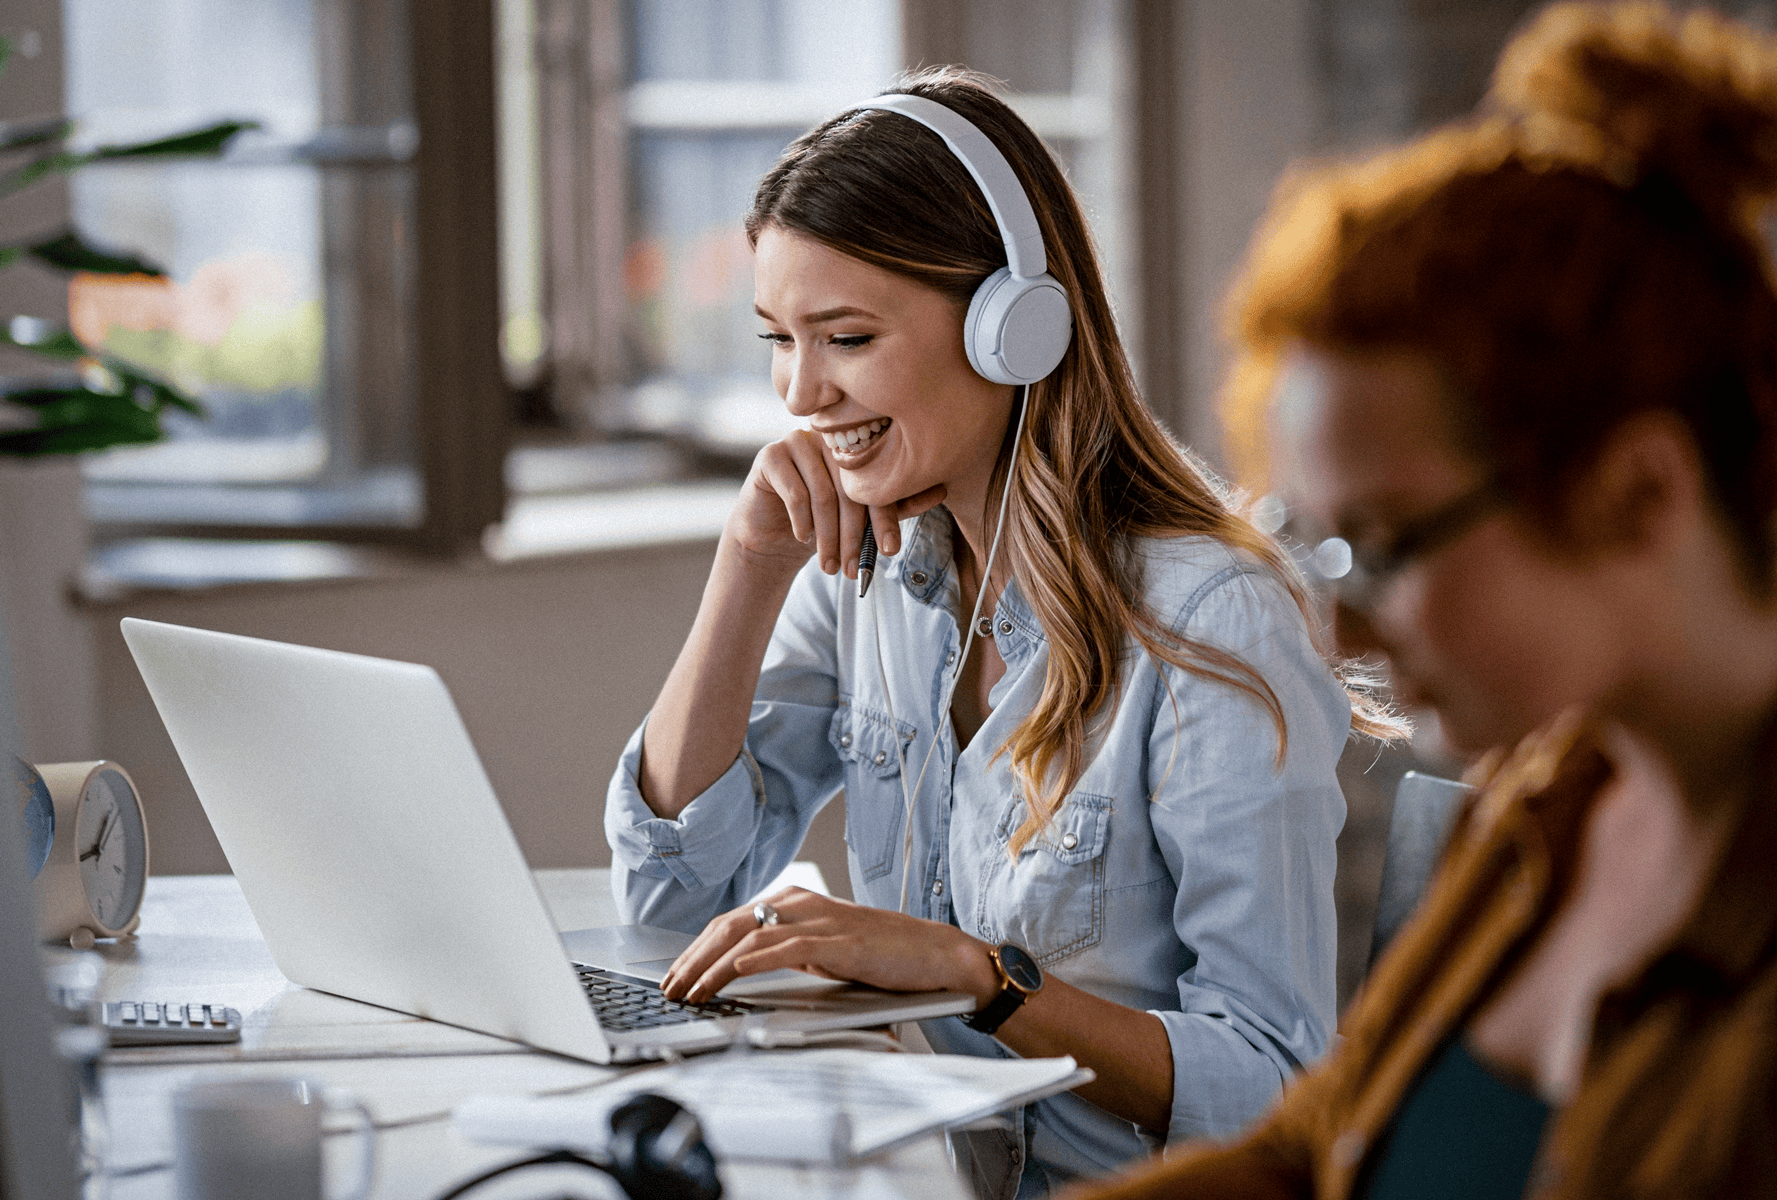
<point x="1250" y="844"/>
<point x="746" y="827"/>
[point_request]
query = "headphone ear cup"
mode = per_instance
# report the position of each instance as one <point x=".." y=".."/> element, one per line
<point x="644" y="1168"/>
<point x="1017" y="330"/>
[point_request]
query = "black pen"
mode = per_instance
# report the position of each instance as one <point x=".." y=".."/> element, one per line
<point x="866" y="558"/>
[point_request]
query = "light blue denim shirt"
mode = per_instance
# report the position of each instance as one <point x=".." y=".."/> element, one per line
<point x="1187" y="874"/>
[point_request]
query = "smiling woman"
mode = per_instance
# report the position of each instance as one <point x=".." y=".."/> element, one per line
<point x="1084" y="733"/>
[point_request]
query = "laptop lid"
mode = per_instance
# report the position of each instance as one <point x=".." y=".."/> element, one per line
<point x="364" y="833"/>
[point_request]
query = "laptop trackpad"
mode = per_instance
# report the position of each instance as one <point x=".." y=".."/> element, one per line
<point x="625" y="947"/>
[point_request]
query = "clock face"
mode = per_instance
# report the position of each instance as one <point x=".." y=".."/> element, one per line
<point x="112" y="847"/>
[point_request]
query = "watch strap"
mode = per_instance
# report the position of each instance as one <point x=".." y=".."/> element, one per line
<point x="989" y="1018"/>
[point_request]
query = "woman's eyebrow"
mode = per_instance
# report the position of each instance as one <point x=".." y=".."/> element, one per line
<point x="834" y="314"/>
<point x="826" y="314"/>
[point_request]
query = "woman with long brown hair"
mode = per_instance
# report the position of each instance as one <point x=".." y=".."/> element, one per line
<point x="1085" y="737"/>
<point x="1525" y="369"/>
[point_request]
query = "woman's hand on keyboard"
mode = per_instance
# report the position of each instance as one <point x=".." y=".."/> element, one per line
<point x="836" y="940"/>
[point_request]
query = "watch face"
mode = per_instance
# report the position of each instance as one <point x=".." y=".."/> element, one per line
<point x="112" y="847"/>
<point x="1020" y="968"/>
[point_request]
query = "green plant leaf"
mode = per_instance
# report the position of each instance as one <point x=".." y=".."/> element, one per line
<point x="198" y="142"/>
<point x="37" y="168"/>
<point x="57" y="344"/>
<point x="59" y="407"/>
<point x="47" y="400"/>
<point x="74" y="439"/>
<point x="10" y="255"/>
<point x="5" y="52"/>
<point x="19" y="135"/>
<point x="70" y="252"/>
<point x="75" y="419"/>
<point x="209" y="140"/>
<point x="152" y="391"/>
<point x="71" y="420"/>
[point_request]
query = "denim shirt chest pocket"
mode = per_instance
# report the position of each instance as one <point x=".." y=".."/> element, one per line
<point x="865" y="743"/>
<point x="1051" y="899"/>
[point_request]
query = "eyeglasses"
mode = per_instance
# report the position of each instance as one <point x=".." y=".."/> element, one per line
<point x="1360" y="575"/>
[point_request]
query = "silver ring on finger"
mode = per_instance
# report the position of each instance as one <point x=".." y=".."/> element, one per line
<point x="764" y="914"/>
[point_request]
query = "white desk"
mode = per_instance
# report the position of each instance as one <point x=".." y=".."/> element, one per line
<point x="198" y="942"/>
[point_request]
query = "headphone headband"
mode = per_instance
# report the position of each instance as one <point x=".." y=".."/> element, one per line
<point x="1019" y="323"/>
<point x="976" y="151"/>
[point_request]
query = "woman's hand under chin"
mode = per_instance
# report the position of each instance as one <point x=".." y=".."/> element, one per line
<point x="836" y="940"/>
<point x="793" y="504"/>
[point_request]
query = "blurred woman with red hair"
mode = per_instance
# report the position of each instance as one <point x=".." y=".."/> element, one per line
<point x="1525" y="371"/>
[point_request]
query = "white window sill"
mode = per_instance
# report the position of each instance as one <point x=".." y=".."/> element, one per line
<point x="536" y="528"/>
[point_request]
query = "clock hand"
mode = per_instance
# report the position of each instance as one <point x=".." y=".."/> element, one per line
<point x="104" y="836"/>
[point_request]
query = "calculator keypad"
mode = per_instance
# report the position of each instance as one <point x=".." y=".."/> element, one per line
<point x="150" y="1022"/>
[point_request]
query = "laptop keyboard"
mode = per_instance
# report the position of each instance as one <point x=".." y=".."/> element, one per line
<point x="625" y="1002"/>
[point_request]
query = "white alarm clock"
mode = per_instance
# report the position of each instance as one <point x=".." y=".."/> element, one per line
<point x="98" y="864"/>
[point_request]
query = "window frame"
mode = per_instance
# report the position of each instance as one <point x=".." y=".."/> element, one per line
<point x="588" y="110"/>
<point x="459" y="420"/>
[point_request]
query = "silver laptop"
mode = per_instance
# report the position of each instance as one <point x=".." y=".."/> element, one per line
<point x="379" y="865"/>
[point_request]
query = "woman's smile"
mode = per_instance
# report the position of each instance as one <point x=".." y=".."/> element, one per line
<point x="850" y="443"/>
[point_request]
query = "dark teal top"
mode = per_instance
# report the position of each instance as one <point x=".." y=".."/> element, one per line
<point x="1461" y="1133"/>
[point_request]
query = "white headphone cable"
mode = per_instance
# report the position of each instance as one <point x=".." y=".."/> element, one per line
<point x="961" y="661"/>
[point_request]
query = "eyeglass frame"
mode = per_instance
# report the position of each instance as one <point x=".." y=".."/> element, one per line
<point x="1370" y="572"/>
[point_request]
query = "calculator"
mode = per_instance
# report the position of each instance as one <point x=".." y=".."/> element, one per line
<point x="149" y="1023"/>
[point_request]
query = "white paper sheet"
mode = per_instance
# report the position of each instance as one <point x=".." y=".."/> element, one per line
<point x="817" y="1106"/>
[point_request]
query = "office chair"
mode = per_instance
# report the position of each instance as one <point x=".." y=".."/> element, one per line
<point x="1424" y="809"/>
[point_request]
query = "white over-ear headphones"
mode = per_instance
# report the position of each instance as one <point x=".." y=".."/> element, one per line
<point x="1019" y="323"/>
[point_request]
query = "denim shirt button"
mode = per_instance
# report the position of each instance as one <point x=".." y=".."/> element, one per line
<point x="1005" y="627"/>
<point x="950" y="659"/>
<point x="918" y="578"/>
<point x="881" y="757"/>
<point x="845" y="740"/>
<point x="938" y="887"/>
<point x="1069" y="841"/>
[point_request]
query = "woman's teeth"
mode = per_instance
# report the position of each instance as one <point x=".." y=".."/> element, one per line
<point x="850" y="441"/>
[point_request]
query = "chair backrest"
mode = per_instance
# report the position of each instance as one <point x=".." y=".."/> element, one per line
<point x="1424" y="809"/>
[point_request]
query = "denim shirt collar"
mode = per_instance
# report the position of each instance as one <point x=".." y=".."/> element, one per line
<point x="924" y="561"/>
<point x="924" y="568"/>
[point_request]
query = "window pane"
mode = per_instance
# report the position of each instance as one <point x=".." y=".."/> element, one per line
<point x="239" y="324"/>
<point x="288" y="307"/>
<point x="719" y="88"/>
<point x="707" y="39"/>
<point x="690" y="278"/>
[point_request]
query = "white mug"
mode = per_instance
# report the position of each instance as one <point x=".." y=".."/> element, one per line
<point x="259" y="1139"/>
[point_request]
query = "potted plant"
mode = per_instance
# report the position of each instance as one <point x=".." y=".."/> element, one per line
<point x="84" y="400"/>
<point x="95" y="401"/>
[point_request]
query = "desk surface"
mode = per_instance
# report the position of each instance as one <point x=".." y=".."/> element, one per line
<point x="198" y="942"/>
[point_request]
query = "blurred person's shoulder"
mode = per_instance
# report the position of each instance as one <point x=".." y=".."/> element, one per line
<point x="1562" y="760"/>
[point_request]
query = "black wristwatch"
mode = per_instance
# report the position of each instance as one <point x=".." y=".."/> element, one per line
<point x="1021" y="979"/>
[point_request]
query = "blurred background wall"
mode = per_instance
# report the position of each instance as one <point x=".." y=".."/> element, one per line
<point x="470" y="315"/>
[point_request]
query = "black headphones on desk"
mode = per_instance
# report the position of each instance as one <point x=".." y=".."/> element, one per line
<point x="656" y="1152"/>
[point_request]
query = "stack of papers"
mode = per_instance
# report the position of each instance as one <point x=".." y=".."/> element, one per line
<point x="812" y="1106"/>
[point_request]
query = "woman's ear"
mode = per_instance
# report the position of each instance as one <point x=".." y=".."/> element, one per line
<point x="1643" y="491"/>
